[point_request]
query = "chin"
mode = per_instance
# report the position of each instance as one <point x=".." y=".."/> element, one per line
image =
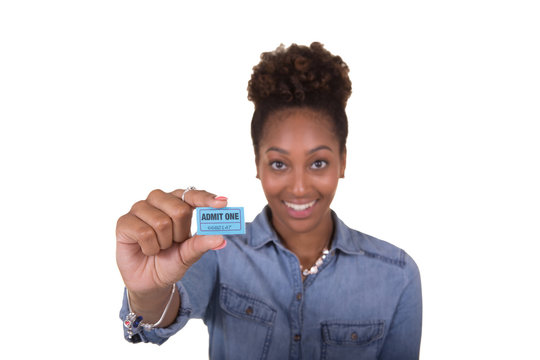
<point x="303" y="227"/>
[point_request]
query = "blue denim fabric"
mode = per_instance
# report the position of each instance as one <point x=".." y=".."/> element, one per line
<point x="364" y="303"/>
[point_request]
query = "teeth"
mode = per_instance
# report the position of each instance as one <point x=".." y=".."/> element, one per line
<point x="300" y="207"/>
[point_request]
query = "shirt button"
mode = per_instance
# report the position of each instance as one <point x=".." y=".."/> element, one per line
<point x="249" y="310"/>
<point x="297" y="337"/>
<point x="354" y="336"/>
<point x="299" y="296"/>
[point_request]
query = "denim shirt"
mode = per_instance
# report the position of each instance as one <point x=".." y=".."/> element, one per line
<point x="364" y="303"/>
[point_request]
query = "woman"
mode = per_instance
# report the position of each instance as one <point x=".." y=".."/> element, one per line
<point x="300" y="284"/>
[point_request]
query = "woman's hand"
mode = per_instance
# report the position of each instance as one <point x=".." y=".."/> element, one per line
<point x="154" y="246"/>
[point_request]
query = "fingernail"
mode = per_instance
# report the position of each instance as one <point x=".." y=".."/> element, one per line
<point x="223" y="244"/>
<point x="220" y="198"/>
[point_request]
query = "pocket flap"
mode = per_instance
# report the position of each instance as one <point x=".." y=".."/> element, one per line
<point x="352" y="333"/>
<point x="245" y="306"/>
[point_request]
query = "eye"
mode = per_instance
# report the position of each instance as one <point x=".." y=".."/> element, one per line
<point x="277" y="165"/>
<point x="319" y="164"/>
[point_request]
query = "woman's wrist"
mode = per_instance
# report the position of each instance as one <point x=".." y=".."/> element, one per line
<point x="158" y="307"/>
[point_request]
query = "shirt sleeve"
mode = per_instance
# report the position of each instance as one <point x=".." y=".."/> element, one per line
<point x="403" y="339"/>
<point x="195" y="289"/>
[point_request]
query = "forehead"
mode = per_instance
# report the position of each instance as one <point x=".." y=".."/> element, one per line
<point x="298" y="126"/>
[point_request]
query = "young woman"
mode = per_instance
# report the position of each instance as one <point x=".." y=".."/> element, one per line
<point x="300" y="284"/>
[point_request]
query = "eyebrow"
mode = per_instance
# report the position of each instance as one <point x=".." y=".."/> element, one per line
<point x="283" y="151"/>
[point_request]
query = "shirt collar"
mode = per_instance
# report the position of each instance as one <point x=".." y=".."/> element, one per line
<point x="261" y="231"/>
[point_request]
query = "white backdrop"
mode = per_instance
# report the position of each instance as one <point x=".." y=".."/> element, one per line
<point x="103" y="101"/>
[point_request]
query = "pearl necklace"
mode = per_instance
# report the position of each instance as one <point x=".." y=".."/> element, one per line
<point x="315" y="268"/>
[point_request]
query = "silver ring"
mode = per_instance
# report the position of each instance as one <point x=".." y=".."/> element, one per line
<point x="189" y="188"/>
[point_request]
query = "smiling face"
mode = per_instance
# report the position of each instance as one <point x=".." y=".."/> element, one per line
<point x="299" y="164"/>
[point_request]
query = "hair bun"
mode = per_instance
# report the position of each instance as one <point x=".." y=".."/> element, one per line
<point x="300" y="75"/>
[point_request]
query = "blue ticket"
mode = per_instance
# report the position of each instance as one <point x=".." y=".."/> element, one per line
<point x="224" y="221"/>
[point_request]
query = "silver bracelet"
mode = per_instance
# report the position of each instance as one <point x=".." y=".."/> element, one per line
<point x="133" y="322"/>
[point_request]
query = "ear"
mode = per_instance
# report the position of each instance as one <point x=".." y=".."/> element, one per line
<point x="343" y="161"/>
<point x="257" y="166"/>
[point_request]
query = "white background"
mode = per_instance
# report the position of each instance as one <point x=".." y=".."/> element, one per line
<point x="103" y="101"/>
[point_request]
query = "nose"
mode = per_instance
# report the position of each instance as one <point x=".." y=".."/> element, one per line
<point x="300" y="183"/>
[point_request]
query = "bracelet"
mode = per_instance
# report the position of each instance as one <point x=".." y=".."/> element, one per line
<point x="133" y="321"/>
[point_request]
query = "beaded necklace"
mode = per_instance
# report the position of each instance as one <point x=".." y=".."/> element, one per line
<point x="315" y="268"/>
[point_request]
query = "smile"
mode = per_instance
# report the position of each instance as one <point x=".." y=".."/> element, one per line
<point x="300" y="207"/>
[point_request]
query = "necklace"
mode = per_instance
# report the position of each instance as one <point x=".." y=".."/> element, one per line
<point x="315" y="268"/>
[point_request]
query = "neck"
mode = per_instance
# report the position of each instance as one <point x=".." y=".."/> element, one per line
<point x="307" y="246"/>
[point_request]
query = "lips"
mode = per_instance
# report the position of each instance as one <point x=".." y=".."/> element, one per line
<point x="300" y="207"/>
<point x="300" y="210"/>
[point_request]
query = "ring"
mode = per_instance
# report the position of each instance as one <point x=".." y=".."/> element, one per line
<point x="189" y="188"/>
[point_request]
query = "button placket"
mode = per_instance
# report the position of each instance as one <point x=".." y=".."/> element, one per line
<point x="295" y="306"/>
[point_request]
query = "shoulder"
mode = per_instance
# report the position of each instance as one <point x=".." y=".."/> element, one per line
<point x="384" y="251"/>
<point x="356" y="242"/>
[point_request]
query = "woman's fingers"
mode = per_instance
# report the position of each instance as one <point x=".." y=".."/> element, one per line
<point x="192" y="249"/>
<point x="131" y="230"/>
<point x="167" y="217"/>
<point x="159" y="221"/>
<point x="178" y="211"/>
<point x="201" y="198"/>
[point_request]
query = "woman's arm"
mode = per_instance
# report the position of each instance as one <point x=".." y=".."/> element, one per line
<point x="154" y="249"/>
<point x="403" y="339"/>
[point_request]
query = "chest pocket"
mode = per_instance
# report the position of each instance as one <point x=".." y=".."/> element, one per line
<point x="351" y="340"/>
<point x="247" y="323"/>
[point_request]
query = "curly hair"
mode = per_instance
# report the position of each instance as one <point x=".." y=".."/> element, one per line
<point x="300" y="76"/>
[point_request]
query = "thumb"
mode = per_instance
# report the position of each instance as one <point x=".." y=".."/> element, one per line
<point x="192" y="249"/>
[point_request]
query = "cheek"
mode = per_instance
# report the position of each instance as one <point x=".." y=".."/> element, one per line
<point x="327" y="184"/>
<point x="271" y="184"/>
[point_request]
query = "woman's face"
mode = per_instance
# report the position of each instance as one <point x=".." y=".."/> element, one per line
<point x="299" y="164"/>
